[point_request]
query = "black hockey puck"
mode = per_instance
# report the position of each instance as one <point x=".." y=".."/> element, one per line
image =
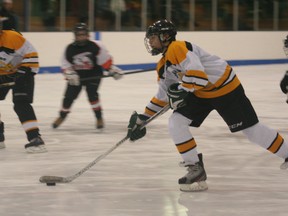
<point x="51" y="184"/>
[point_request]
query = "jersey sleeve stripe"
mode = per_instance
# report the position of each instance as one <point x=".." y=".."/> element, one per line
<point x="194" y="79"/>
<point x="158" y="102"/>
<point x="154" y="106"/>
<point x="107" y="64"/>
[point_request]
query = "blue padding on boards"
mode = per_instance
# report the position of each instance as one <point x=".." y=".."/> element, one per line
<point x="144" y="66"/>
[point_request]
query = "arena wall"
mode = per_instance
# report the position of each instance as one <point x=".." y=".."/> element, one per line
<point x="129" y="52"/>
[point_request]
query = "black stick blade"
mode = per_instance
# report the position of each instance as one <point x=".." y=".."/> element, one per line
<point x="51" y="179"/>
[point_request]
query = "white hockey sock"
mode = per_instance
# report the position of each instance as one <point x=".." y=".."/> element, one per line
<point x="268" y="139"/>
<point x="183" y="139"/>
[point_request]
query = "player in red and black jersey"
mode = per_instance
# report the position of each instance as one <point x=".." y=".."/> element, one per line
<point x="84" y="59"/>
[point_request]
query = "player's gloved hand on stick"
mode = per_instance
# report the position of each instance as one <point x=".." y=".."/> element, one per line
<point x="72" y="77"/>
<point x="176" y="96"/>
<point x="135" y="122"/>
<point x="286" y="42"/>
<point x="116" y="72"/>
<point x="284" y="83"/>
<point x="285" y="48"/>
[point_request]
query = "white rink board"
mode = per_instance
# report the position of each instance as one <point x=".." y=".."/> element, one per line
<point x="129" y="48"/>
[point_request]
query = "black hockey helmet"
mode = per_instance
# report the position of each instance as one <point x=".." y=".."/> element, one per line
<point x="80" y="27"/>
<point x="2" y="19"/>
<point x="160" y="28"/>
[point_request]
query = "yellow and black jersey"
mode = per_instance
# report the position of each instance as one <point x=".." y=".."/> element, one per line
<point x="206" y="75"/>
<point x="16" y="52"/>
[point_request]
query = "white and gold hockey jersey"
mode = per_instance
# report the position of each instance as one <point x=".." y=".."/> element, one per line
<point x="15" y="52"/>
<point x="206" y="75"/>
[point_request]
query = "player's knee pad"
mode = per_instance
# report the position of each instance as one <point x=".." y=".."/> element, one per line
<point x="67" y="102"/>
<point x="260" y="134"/>
<point x="93" y="96"/>
<point x="23" y="108"/>
<point x="178" y="124"/>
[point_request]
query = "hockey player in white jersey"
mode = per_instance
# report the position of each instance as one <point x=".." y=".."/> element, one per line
<point x="195" y="82"/>
<point x="19" y="64"/>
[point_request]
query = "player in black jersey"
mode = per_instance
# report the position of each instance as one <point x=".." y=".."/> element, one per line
<point x="84" y="59"/>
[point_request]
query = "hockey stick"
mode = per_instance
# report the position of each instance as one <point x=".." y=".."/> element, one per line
<point x="7" y="84"/>
<point x="127" y="73"/>
<point x="139" y="71"/>
<point x="59" y="179"/>
<point x="287" y="94"/>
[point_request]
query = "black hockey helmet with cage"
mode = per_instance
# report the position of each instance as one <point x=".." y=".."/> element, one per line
<point x="160" y="28"/>
<point x="81" y="29"/>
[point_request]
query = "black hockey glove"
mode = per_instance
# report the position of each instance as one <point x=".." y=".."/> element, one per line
<point x="135" y="122"/>
<point x="284" y="83"/>
<point x="286" y="42"/>
<point x="285" y="47"/>
<point x="176" y="96"/>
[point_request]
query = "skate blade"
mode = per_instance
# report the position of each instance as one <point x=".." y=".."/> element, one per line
<point x="100" y="130"/>
<point x="194" y="187"/>
<point x="36" y="149"/>
<point x="2" y="145"/>
<point x="284" y="166"/>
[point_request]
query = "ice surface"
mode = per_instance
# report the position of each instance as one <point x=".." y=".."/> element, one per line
<point x="140" y="178"/>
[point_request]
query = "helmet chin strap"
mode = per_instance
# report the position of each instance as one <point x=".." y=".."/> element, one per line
<point x="164" y="42"/>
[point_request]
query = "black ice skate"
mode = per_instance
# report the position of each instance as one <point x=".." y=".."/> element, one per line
<point x="195" y="179"/>
<point x="100" y="124"/>
<point x="60" y="119"/>
<point x="36" y="145"/>
<point x="58" y="122"/>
